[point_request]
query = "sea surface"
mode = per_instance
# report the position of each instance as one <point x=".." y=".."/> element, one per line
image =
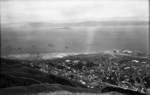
<point x="28" y="40"/>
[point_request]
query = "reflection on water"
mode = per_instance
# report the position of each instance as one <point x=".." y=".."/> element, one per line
<point x="75" y="39"/>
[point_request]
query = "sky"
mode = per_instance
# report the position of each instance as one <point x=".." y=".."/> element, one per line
<point x="64" y="11"/>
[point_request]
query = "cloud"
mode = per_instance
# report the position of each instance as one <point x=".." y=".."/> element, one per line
<point x="70" y="10"/>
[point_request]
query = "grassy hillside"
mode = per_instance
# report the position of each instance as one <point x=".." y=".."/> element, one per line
<point x="13" y="73"/>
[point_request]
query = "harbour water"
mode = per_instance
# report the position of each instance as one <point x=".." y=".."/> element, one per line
<point x="75" y="39"/>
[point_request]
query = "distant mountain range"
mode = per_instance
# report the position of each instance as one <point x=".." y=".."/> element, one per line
<point x="85" y="23"/>
<point x="91" y="23"/>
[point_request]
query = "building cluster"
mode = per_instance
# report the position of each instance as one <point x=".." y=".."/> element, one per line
<point x="96" y="70"/>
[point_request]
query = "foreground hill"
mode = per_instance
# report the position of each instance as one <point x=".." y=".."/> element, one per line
<point x="57" y="89"/>
<point x="14" y="73"/>
<point x="52" y="89"/>
<point x="18" y="78"/>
